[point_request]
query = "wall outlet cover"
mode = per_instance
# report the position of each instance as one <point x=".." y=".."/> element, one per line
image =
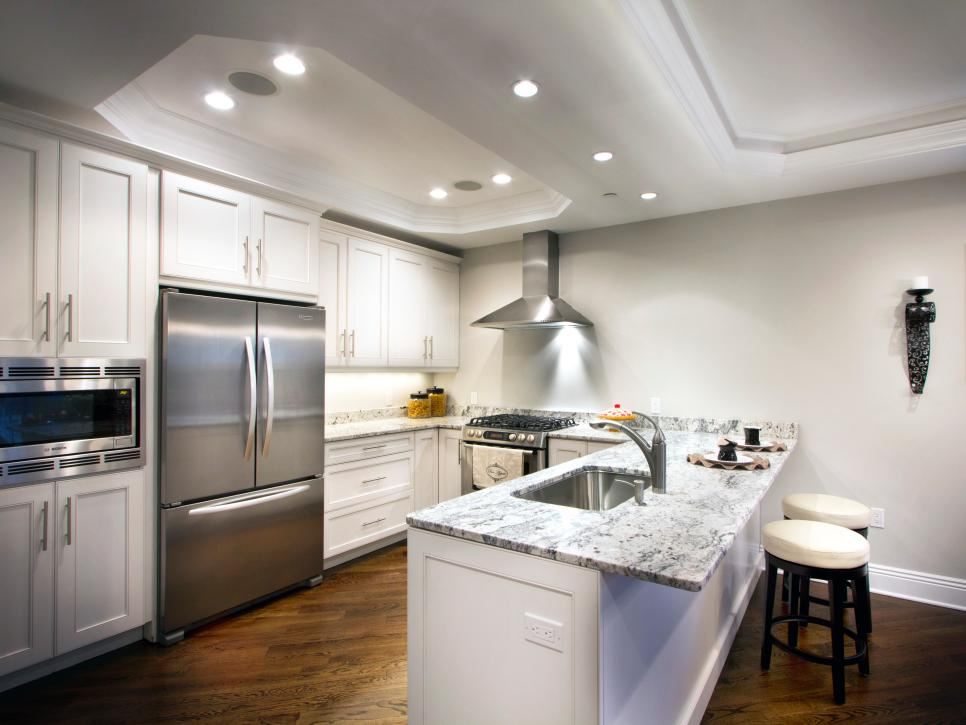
<point x="656" y="406"/>
<point x="474" y="398"/>
<point x="878" y="519"/>
<point x="542" y="631"/>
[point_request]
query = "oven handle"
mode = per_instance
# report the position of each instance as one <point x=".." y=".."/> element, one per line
<point x="531" y="456"/>
<point x="253" y="397"/>
<point x="270" y="413"/>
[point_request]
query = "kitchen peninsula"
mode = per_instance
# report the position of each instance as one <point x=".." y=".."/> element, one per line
<point x="617" y="616"/>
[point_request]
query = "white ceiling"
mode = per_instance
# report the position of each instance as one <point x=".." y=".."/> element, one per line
<point x="707" y="103"/>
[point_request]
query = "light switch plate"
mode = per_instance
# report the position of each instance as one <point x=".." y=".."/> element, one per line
<point x="655" y="406"/>
<point x="878" y="519"/>
<point x="474" y="398"/>
<point x="542" y="631"/>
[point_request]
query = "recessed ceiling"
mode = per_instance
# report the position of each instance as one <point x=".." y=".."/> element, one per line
<point x="708" y="104"/>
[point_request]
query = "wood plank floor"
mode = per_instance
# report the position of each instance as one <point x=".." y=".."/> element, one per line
<point x="337" y="654"/>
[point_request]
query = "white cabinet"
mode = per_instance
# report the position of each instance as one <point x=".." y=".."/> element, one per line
<point x="426" y="462"/>
<point x="450" y="464"/>
<point x="367" y="303"/>
<point x="205" y="231"/>
<point x="28" y="245"/>
<point x="102" y="254"/>
<point x="423" y="311"/>
<point x="27" y="576"/>
<point x="71" y="564"/>
<point x="100" y="583"/>
<point x="563" y="450"/>
<point x="218" y="235"/>
<point x="333" y="249"/>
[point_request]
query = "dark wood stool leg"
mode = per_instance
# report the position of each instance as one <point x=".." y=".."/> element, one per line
<point x="786" y="585"/>
<point x="772" y="575"/>
<point x="836" y="598"/>
<point x="804" y="602"/>
<point x="795" y="599"/>
<point x="863" y="619"/>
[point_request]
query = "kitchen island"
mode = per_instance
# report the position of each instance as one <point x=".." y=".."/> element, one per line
<point x="529" y="612"/>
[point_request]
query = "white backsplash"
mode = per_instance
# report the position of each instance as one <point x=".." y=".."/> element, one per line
<point x="351" y="391"/>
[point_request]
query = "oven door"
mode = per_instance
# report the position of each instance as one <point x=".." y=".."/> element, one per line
<point x="533" y="460"/>
<point x="43" y="418"/>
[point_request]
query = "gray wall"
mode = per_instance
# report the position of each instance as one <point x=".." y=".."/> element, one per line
<point x="789" y="310"/>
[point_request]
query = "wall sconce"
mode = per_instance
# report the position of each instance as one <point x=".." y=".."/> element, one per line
<point x="919" y="315"/>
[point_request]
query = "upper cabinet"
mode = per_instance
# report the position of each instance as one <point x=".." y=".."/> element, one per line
<point x="28" y="245"/>
<point x="367" y="303"/>
<point x="87" y="299"/>
<point x="221" y="236"/>
<point x="333" y="248"/>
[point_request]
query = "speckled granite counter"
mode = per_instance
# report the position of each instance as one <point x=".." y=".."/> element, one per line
<point x="677" y="539"/>
<point x="384" y="426"/>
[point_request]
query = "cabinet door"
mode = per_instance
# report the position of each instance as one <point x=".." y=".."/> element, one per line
<point x="443" y="296"/>
<point x="562" y="451"/>
<point x="28" y="245"/>
<point x="27" y="576"/>
<point x="99" y="567"/>
<point x="102" y="254"/>
<point x="425" y="480"/>
<point x="450" y="464"/>
<point x="367" y="303"/>
<point x="408" y="309"/>
<point x="286" y="247"/>
<point x="332" y="292"/>
<point x="204" y="231"/>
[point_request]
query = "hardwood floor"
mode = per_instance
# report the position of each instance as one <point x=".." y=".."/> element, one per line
<point x="337" y="653"/>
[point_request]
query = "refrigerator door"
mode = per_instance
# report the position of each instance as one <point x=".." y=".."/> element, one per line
<point x="221" y="554"/>
<point x="291" y="389"/>
<point x="207" y="396"/>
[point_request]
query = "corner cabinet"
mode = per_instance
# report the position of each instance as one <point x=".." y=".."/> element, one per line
<point x="84" y="293"/>
<point x="71" y="563"/>
<point x="216" y="235"/>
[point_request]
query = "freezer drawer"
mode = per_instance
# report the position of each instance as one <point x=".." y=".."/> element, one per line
<point x="223" y="553"/>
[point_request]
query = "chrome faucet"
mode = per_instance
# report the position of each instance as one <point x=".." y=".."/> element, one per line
<point x="655" y="452"/>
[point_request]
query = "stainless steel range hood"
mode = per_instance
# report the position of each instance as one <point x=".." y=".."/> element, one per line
<point x="539" y="306"/>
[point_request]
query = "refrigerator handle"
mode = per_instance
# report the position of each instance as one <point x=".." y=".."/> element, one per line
<point x="254" y="499"/>
<point x="253" y="397"/>
<point x="270" y="413"/>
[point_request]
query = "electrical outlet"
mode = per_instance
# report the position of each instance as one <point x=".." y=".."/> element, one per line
<point x="545" y="632"/>
<point x="474" y="398"/>
<point x="656" y="406"/>
<point x="878" y="519"/>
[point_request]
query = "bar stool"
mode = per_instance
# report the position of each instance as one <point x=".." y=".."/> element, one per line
<point x="817" y="550"/>
<point x="830" y="510"/>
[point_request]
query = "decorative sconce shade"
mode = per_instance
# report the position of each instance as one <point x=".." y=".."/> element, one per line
<point x="919" y="315"/>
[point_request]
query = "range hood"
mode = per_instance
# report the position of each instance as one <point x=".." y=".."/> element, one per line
<point x="539" y="306"/>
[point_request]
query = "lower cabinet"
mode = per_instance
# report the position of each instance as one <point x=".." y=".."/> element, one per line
<point x="562" y="450"/>
<point x="371" y="484"/>
<point x="70" y="563"/>
<point x="450" y="464"/>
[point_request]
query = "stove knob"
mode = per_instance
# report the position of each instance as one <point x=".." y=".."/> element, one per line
<point x="530" y="438"/>
<point x="513" y="436"/>
<point x="477" y="433"/>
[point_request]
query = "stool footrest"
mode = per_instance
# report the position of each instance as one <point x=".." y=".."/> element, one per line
<point x="817" y="659"/>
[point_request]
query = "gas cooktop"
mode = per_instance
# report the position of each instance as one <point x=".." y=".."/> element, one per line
<point x="514" y="421"/>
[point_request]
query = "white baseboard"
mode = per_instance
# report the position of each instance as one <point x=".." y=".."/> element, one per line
<point x="918" y="586"/>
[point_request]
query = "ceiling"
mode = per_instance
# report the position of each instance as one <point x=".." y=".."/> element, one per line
<point x="710" y="104"/>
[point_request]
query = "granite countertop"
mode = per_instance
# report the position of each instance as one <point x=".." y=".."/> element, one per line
<point x="383" y="426"/>
<point x="677" y="539"/>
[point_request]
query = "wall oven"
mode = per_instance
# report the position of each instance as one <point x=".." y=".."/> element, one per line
<point x="63" y="417"/>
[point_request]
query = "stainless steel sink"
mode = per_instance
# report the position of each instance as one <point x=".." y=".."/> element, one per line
<point x="589" y="489"/>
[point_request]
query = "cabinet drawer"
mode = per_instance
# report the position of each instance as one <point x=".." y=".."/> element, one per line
<point x="371" y="447"/>
<point x="354" y="483"/>
<point x="349" y="529"/>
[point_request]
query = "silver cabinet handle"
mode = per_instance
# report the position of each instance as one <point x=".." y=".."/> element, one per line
<point x="374" y="521"/>
<point x="373" y="480"/>
<point x="253" y="393"/>
<point x="270" y="413"/>
<point x="245" y="263"/>
<point x="68" y="522"/>
<point x="254" y="499"/>
<point x="430" y="347"/>
<point x="342" y="343"/>
<point x="258" y="265"/>
<point x="352" y="344"/>
<point x="374" y="448"/>
<point x="70" y="318"/>
<point x="43" y="538"/>
<point x="425" y="348"/>
<point x="47" y="317"/>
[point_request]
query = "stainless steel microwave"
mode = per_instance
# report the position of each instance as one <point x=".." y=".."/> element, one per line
<point x="62" y="417"/>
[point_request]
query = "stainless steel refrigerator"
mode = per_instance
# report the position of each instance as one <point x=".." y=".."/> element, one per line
<point x="242" y="415"/>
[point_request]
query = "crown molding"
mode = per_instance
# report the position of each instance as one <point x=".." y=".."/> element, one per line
<point x="668" y="33"/>
<point x="139" y="118"/>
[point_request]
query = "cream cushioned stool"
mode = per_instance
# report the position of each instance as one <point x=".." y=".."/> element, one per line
<point x="816" y="550"/>
<point x="831" y="510"/>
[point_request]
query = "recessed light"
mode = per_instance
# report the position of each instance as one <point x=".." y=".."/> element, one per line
<point x="290" y="64"/>
<point x="220" y="100"/>
<point x="526" y="88"/>
<point x="438" y="193"/>
<point x="468" y="185"/>
<point x="502" y="179"/>
<point x="603" y="156"/>
<point x="648" y="195"/>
